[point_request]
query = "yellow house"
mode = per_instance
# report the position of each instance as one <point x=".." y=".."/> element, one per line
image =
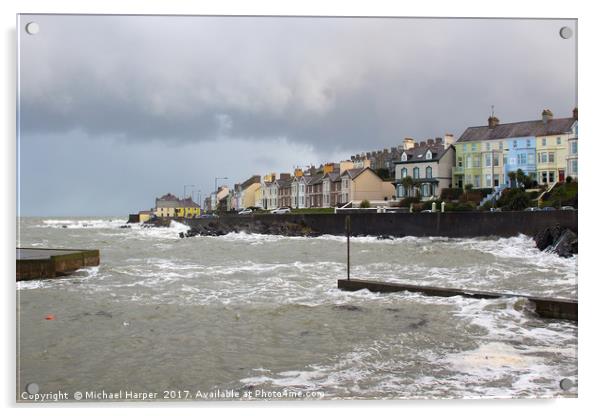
<point x="145" y="216"/>
<point x="187" y="208"/>
<point x="364" y="184"/>
<point x="170" y="206"/>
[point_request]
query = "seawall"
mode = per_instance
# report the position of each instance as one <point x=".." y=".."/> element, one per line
<point x="448" y="224"/>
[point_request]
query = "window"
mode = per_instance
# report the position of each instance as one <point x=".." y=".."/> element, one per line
<point x="416" y="173"/>
<point x="429" y="172"/>
<point x="501" y="145"/>
<point x="558" y="140"/>
<point x="539" y="158"/>
<point x="404" y="157"/>
<point x="429" y="155"/>
<point x="544" y="157"/>
<point x="404" y="172"/>
<point x="496" y="159"/>
<point x="488" y="180"/>
<point x="574" y="166"/>
<point x="426" y="191"/>
<point x="522" y="158"/>
<point x="487" y="159"/>
<point x="488" y="146"/>
<point x="544" y="177"/>
<point x="474" y="147"/>
<point x="468" y="161"/>
<point x="505" y="160"/>
<point x="543" y="141"/>
<point x="459" y="162"/>
<point x="477" y="181"/>
<point x="551" y="177"/>
<point x="514" y="143"/>
<point x="551" y="157"/>
<point x="574" y="147"/>
<point x="531" y="158"/>
<point x="464" y="147"/>
<point x="528" y="143"/>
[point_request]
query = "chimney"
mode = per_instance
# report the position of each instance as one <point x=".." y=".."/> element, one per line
<point x="575" y="113"/>
<point x="430" y="142"/>
<point x="493" y="121"/>
<point x="285" y="176"/>
<point x="546" y="115"/>
<point x="421" y="144"/>
<point x="438" y="140"/>
<point x="448" y="140"/>
<point x="408" y="143"/>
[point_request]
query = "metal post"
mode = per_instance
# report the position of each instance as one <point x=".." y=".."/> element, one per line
<point x="348" y="229"/>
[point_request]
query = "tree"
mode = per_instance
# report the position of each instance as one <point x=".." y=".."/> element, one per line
<point x="408" y="183"/>
<point x="512" y="177"/>
<point x="521" y="177"/>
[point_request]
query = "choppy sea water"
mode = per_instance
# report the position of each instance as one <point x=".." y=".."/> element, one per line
<point x="262" y="315"/>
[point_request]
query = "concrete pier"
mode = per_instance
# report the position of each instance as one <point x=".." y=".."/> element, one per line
<point x="44" y="263"/>
<point x="545" y="307"/>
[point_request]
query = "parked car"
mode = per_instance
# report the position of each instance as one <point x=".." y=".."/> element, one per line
<point x="281" y="210"/>
<point x="245" y="211"/>
<point x="427" y="210"/>
<point x="548" y="209"/>
<point x="567" y="208"/>
<point x="532" y="209"/>
<point x="209" y="215"/>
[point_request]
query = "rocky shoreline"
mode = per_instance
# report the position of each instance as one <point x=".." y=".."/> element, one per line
<point x="557" y="239"/>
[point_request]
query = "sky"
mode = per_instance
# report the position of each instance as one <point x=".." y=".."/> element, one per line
<point x="115" y="111"/>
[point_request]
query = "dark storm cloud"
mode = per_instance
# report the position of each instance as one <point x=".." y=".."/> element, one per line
<point x="348" y="83"/>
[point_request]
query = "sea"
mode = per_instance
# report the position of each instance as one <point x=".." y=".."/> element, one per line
<point x="259" y="317"/>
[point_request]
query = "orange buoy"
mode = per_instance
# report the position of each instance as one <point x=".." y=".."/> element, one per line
<point x="49" y="317"/>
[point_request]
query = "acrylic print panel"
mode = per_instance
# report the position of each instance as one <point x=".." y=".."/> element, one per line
<point x="219" y="178"/>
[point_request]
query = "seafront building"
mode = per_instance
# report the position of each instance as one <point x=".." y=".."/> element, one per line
<point x="429" y="164"/>
<point x="485" y="155"/>
<point x="171" y="206"/>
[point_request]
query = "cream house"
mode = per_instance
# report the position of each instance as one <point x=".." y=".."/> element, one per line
<point x="361" y="184"/>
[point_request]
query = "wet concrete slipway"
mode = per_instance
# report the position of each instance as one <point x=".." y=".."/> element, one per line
<point x="257" y="313"/>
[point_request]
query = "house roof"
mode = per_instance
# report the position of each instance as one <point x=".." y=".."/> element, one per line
<point x="518" y="129"/>
<point x="253" y="179"/>
<point x="168" y="197"/>
<point x="315" y="179"/>
<point x="188" y="203"/>
<point x="418" y="153"/>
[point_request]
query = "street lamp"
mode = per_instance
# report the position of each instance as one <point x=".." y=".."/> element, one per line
<point x="216" y="182"/>
<point x="186" y="186"/>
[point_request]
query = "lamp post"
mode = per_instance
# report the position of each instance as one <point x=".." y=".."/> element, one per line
<point x="186" y="186"/>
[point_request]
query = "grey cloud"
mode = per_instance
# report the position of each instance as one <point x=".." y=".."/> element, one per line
<point x="326" y="82"/>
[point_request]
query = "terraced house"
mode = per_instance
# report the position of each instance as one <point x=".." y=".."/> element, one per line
<point x="485" y="155"/>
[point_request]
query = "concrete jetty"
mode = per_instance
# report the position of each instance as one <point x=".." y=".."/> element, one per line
<point x="556" y="308"/>
<point x="45" y="263"/>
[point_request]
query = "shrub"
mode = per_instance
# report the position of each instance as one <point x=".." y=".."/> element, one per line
<point x="405" y="202"/>
<point x="519" y="201"/>
<point x="365" y="204"/>
<point x="569" y="179"/>
<point x="451" y="194"/>
<point x="460" y="206"/>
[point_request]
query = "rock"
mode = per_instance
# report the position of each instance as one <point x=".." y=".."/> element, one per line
<point x="557" y="239"/>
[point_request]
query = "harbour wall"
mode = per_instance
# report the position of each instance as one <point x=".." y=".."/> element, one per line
<point x="448" y="224"/>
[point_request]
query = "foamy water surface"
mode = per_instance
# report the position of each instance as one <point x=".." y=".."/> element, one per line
<point x="248" y="312"/>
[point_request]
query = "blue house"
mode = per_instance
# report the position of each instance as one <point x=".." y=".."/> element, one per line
<point x="520" y="154"/>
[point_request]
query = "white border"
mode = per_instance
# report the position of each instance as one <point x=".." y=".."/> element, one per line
<point x="589" y="96"/>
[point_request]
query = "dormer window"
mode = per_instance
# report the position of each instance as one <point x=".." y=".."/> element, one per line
<point x="404" y="157"/>
<point x="429" y="155"/>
